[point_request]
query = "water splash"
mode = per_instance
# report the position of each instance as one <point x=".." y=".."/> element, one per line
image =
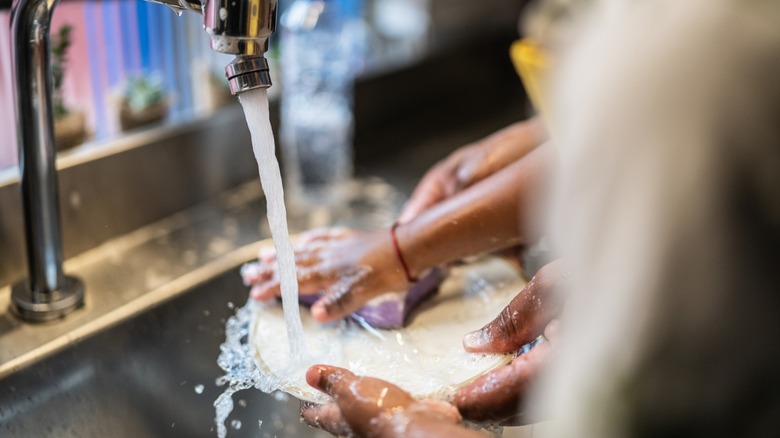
<point x="236" y="358"/>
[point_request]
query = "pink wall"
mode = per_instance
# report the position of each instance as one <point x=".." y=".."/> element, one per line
<point x="77" y="86"/>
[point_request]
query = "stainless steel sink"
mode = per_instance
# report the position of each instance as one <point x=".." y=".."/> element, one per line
<point x="140" y="359"/>
<point x="150" y="376"/>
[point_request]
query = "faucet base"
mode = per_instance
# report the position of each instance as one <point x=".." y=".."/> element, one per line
<point x="38" y="307"/>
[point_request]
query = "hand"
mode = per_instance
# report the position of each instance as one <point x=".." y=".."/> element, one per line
<point x="351" y="267"/>
<point x="471" y="164"/>
<point x="497" y="395"/>
<point x="369" y="407"/>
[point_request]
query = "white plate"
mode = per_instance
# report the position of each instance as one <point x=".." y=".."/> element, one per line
<point x="426" y="358"/>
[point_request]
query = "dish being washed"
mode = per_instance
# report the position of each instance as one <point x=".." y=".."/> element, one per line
<point x="425" y="358"/>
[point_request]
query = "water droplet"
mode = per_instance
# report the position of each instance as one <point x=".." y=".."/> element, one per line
<point x="235" y="424"/>
<point x="199" y="389"/>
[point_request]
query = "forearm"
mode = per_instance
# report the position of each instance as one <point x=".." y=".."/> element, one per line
<point x="490" y="215"/>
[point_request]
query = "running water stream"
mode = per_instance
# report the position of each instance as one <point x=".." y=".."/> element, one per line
<point x="255" y="103"/>
<point x="236" y="357"/>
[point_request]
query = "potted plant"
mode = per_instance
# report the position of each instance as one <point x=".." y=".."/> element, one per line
<point x="143" y="101"/>
<point x="69" y="124"/>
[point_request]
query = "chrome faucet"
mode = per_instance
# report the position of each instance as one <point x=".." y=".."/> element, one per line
<point x="239" y="27"/>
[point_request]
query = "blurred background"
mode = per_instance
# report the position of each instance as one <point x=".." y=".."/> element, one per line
<point x="107" y="56"/>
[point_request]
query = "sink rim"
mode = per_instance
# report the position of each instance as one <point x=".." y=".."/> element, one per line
<point x="174" y="288"/>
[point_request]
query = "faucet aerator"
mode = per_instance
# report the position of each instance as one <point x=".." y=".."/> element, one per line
<point x="247" y="73"/>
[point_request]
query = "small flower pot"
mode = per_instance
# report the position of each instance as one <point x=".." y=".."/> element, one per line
<point x="129" y="120"/>
<point x="70" y="130"/>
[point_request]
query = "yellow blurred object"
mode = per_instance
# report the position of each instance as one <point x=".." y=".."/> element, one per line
<point x="533" y="65"/>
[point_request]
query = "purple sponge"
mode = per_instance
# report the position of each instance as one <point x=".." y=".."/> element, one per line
<point x="389" y="311"/>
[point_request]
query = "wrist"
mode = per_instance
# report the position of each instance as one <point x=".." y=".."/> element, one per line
<point x="410" y="254"/>
<point x="399" y="254"/>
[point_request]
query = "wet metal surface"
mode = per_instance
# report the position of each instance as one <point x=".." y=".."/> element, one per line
<point x="151" y="376"/>
<point x="140" y="358"/>
<point x="127" y="275"/>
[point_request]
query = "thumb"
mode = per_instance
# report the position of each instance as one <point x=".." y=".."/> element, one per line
<point x="331" y="380"/>
<point x="421" y="199"/>
<point x="523" y="319"/>
<point x="341" y="298"/>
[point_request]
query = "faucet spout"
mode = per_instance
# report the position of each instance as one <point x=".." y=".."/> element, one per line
<point x="47" y="293"/>
<point x="241" y="28"/>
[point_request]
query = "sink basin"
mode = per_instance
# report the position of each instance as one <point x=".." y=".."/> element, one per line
<point x="150" y="376"/>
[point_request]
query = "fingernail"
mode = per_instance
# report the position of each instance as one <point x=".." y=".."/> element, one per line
<point x="314" y="376"/>
<point x="319" y="313"/>
<point x="474" y="340"/>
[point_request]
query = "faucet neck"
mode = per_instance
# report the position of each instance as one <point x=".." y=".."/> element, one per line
<point x="48" y="293"/>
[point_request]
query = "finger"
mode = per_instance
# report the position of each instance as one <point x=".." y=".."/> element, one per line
<point x="312" y="235"/>
<point x="255" y="273"/>
<point x="426" y="194"/>
<point x="310" y="281"/>
<point x="468" y="173"/>
<point x="523" y="319"/>
<point x="266" y="255"/>
<point x="265" y="291"/>
<point x="497" y="396"/>
<point x="327" y="417"/>
<point x="323" y="234"/>
<point x="314" y="279"/>
<point x="419" y="203"/>
<point x="364" y="402"/>
<point x="308" y="258"/>
<point x="331" y="380"/>
<point x="341" y="299"/>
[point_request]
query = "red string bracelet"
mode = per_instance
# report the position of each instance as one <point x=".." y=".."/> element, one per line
<point x="400" y="256"/>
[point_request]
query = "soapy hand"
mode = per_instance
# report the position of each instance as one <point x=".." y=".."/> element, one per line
<point x="347" y="266"/>
<point x="471" y="164"/>
<point x="497" y="395"/>
<point x="370" y="407"/>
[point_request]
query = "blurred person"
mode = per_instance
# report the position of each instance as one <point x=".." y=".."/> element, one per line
<point x="666" y="116"/>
